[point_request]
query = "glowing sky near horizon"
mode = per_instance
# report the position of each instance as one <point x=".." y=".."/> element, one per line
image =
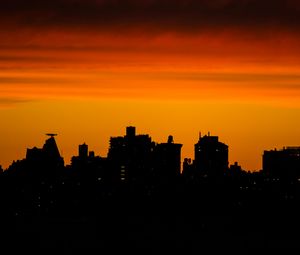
<point x="87" y="69"/>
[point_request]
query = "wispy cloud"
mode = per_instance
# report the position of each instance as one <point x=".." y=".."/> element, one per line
<point x="178" y="85"/>
<point x="12" y="101"/>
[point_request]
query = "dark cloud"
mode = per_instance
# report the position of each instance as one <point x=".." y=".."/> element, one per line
<point x="9" y="101"/>
<point x="5" y="80"/>
<point x="232" y="77"/>
<point x="31" y="59"/>
<point x="186" y="15"/>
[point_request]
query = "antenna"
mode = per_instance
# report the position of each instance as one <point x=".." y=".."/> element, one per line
<point x="51" y="135"/>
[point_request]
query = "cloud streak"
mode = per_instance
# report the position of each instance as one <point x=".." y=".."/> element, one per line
<point x="8" y="102"/>
<point x="184" y="85"/>
<point x="213" y="45"/>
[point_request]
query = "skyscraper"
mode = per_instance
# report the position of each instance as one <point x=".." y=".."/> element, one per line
<point x="130" y="156"/>
<point x="167" y="158"/>
<point x="83" y="151"/>
<point x="211" y="156"/>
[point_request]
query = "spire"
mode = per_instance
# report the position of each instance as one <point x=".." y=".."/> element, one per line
<point x="50" y="147"/>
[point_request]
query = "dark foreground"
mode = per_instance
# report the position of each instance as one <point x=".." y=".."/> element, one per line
<point x="67" y="216"/>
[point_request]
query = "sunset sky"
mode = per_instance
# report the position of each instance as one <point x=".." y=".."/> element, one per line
<point x="86" y="69"/>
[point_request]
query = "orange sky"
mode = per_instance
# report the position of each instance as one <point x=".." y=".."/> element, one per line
<point x="87" y="79"/>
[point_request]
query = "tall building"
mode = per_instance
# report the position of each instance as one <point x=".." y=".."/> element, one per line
<point x="83" y="150"/>
<point x="211" y="156"/>
<point x="88" y="166"/>
<point x="282" y="163"/>
<point x="130" y="156"/>
<point x="82" y="160"/>
<point x="130" y="132"/>
<point x="167" y="159"/>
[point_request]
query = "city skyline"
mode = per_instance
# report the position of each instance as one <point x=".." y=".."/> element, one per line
<point x="138" y="192"/>
<point x="84" y="69"/>
<point x="131" y="131"/>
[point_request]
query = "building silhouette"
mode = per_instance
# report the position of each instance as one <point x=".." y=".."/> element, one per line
<point x="84" y="157"/>
<point x="235" y="169"/>
<point x="88" y="166"/>
<point x="130" y="156"/>
<point x="211" y="156"/>
<point x="48" y="156"/>
<point x="136" y="158"/>
<point x="188" y="170"/>
<point x="167" y="160"/>
<point x="283" y="163"/>
<point x="83" y="151"/>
